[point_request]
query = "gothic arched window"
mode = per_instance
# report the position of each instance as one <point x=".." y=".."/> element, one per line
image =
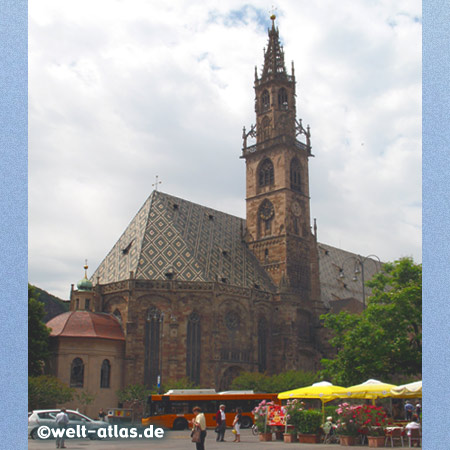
<point x="105" y="374"/>
<point x="262" y="344"/>
<point x="265" y="100"/>
<point x="193" y="348"/>
<point x="77" y="373"/>
<point x="282" y="99"/>
<point x="295" y="175"/>
<point x="118" y="316"/>
<point x="153" y="331"/>
<point x="266" y="176"/>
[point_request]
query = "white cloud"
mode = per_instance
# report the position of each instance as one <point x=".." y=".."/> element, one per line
<point x="123" y="90"/>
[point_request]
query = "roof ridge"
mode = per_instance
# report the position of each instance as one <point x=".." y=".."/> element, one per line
<point x="66" y="322"/>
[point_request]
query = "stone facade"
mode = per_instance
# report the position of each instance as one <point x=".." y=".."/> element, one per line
<point x="206" y="295"/>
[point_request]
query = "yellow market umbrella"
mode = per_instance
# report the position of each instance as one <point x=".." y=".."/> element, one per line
<point x="323" y="390"/>
<point x="369" y="389"/>
<point x="410" y="390"/>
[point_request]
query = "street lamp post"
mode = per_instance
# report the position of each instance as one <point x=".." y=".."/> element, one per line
<point x="359" y="269"/>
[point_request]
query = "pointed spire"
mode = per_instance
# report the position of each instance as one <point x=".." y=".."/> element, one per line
<point x="274" y="56"/>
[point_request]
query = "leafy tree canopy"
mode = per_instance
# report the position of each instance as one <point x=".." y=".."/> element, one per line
<point x="46" y="392"/>
<point x="385" y="341"/>
<point x="38" y="334"/>
<point x="285" y="381"/>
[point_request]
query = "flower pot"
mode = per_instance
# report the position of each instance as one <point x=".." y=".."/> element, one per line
<point x="308" y="438"/>
<point x="289" y="438"/>
<point x="375" y="441"/>
<point x="347" y="440"/>
<point x="265" y="436"/>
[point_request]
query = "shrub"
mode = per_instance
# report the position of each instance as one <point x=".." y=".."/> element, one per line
<point x="305" y="421"/>
<point x="310" y="421"/>
<point x="47" y="392"/>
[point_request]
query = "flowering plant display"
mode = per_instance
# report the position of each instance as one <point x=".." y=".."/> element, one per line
<point x="347" y="423"/>
<point x="361" y="418"/>
<point x="304" y="421"/>
<point x="293" y="409"/>
<point x="260" y="414"/>
<point x="373" y="418"/>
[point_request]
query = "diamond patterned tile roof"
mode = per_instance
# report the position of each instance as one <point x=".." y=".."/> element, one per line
<point x="332" y="286"/>
<point x="196" y="242"/>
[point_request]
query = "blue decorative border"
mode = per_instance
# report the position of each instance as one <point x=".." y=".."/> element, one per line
<point x="436" y="201"/>
<point x="13" y="222"/>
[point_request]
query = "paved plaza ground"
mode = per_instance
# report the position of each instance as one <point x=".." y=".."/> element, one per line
<point x="177" y="440"/>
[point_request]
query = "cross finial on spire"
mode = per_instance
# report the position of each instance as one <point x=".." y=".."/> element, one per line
<point x="85" y="268"/>
<point x="155" y="184"/>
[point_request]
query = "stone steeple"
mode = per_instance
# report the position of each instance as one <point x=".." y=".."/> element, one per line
<point x="274" y="57"/>
<point x="277" y="196"/>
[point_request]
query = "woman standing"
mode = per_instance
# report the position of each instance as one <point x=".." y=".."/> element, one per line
<point x="199" y="423"/>
<point x="237" y="424"/>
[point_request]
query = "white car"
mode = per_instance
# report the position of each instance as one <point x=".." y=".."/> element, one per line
<point x="47" y="417"/>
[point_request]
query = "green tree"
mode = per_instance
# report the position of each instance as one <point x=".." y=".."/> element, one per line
<point x="284" y="381"/>
<point x="46" y="392"/>
<point x="85" y="398"/>
<point x="135" y="395"/>
<point x="182" y="383"/>
<point x="385" y="341"/>
<point x="38" y="335"/>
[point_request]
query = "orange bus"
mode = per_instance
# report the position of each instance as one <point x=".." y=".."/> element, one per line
<point x="174" y="408"/>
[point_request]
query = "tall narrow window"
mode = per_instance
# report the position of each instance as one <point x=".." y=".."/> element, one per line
<point x="295" y="175"/>
<point x="105" y="374"/>
<point x="265" y="100"/>
<point x="265" y="128"/>
<point x="282" y="99"/>
<point x="262" y="344"/>
<point x="193" y="348"/>
<point x="77" y="373"/>
<point x="118" y="316"/>
<point x="87" y="304"/>
<point x="266" y="176"/>
<point x="153" y="328"/>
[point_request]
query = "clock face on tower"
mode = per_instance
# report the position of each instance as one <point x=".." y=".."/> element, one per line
<point x="296" y="209"/>
<point x="266" y="212"/>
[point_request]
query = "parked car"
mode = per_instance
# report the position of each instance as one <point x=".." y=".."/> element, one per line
<point x="47" y="417"/>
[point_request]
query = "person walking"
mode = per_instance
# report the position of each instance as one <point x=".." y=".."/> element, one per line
<point x="199" y="423"/>
<point x="61" y="419"/>
<point x="221" y="423"/>
<point x="237" y="425"/>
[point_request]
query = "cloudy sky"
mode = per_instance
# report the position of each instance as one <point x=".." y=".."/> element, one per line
<point x="121" y="91"/>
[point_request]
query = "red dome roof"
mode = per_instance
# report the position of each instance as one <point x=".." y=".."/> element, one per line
<point x="86" y="324"/>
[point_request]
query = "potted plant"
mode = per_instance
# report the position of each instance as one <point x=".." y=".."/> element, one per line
<point x="309" y="426"/>
<point x="347" y="423"/>
<point x="260" y="414"/>
<point x="291" y="435"/>
<point x="373" y="419"/>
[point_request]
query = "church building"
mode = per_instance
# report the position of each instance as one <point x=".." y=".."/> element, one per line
<point x="188" y="291"/>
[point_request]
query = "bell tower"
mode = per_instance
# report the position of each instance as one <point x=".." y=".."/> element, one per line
<point x="277" y="186"/>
